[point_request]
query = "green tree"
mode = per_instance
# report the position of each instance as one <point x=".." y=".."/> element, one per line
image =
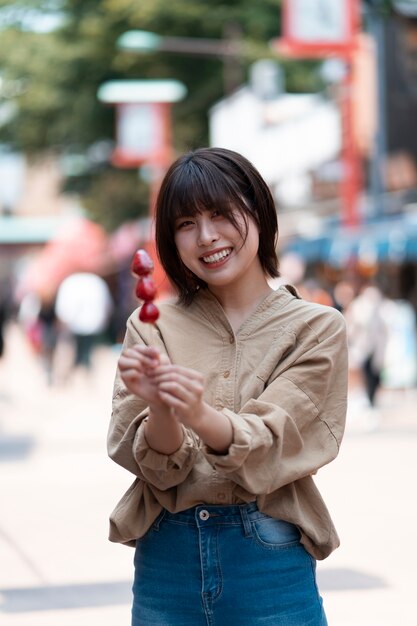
<point x="59" y="72"/>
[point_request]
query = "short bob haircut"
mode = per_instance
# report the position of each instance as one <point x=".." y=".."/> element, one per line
<point x="205" y="179"/>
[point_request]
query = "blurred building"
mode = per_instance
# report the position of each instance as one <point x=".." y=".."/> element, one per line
<point x="296" y="142"/>
<point x="401" y="98"/>
<point x="32" y="208"/>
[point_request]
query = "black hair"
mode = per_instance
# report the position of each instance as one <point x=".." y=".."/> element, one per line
<point x="210" y="178"/>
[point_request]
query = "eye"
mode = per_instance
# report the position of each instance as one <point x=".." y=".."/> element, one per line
<point x="183" y="223"/>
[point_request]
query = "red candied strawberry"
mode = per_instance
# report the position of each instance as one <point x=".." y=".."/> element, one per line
<point x="142" y="264"/>
<point x="148" y="313"/>
<point x="146" y="289"/>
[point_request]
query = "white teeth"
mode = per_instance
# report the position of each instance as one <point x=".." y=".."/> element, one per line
<point x="218" y="256"/>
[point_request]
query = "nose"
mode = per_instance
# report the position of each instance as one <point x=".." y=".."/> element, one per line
<point x="207" y="233"/>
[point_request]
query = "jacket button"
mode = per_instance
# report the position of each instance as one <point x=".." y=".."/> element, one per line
<point x="226" y="374"/>
<point x="231" y="339"/>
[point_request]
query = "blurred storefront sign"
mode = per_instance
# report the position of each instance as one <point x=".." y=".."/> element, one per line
<point x="143" y="127"/>
<point x="143" y="136"/>
<point x="316" y="28"/>
<point x="140" y="134"/>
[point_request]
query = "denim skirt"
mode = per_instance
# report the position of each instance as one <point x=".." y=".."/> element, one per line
<point x="224" y="566"/>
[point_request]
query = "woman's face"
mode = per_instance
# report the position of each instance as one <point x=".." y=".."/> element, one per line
<point x="215" y="250"/>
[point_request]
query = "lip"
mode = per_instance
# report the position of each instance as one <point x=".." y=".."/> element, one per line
<point x="216" y="264"/>
<point x="215" y="251"/>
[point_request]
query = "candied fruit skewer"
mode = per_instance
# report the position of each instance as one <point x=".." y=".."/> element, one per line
<point x="146" y="289"/>
<point x="142" y="266"/>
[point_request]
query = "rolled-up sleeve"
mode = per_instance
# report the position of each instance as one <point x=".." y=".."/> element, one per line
<point x="295" y="426"/>
<point x="161" y="470"/>
<point x="126" y="443"/>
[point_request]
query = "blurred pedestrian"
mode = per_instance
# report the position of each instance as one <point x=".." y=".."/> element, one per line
<point x="367" y="339"/>
<point x="400" y="362"/>
<point x="49" y="333"/>
<point x="312" y="291"/>
<point x="84" y="306"/>
<point x="28" y="318"/>
<point x="343" y="294"/>
<point x="224" y="411"/>
<point x="3" y="318"/>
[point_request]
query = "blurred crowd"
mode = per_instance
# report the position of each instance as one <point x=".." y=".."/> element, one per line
<point x="63" y="328"/>
<point x="382" y="333"/>
<point x="382" y="341"/>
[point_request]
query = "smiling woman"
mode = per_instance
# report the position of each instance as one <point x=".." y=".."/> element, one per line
<point x="225" y="414"/>
<point x="207" y="190"/>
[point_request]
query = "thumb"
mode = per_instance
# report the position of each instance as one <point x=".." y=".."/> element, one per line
<point x="164" y="359"/>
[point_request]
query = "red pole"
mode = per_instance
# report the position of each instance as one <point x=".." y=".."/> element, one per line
<point x="350" y="183"/>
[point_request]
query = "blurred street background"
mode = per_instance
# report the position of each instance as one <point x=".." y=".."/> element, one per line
<point x="57" y="488"/>
<point x="96" y="100"/>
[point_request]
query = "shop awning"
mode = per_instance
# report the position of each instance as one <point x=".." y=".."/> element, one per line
<point x="28" y="230"/>
<point x="390" y="239"/>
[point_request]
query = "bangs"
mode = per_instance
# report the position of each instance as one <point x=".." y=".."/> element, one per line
<point x="198" y="190"/>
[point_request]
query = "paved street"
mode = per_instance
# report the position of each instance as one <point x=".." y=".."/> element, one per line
<point x="57" y="487"/>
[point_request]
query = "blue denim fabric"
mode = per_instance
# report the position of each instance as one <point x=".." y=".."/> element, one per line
<point x="224" y="566"/>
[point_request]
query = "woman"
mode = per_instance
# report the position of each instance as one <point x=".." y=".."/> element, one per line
<point x="223" y="412"/>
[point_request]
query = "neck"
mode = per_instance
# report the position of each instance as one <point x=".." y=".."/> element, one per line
<point x="241" y="299"/>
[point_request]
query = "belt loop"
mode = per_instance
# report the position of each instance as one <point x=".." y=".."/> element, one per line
<point x="159" y="519"/>
<point x="245" y="520"/>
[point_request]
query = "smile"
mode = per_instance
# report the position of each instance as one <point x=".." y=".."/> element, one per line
<point x="217" y="256"/>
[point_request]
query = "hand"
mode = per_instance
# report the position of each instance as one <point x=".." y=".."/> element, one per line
<point x="140" y="368"/>
<point x="180" y="388"/>
<point x="136" y="365"/>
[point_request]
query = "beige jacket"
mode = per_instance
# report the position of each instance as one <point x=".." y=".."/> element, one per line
<point x="281" y="380"/>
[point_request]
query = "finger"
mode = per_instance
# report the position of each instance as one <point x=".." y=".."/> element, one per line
<point x="177" y="390"/>
<point x="149" y="352"/>
<point x="178" y="405"/>
<point x="130" y="363"/>
<point x="188" y="394"/>
<point x="192" y="386"/>
<point x="131" y="377"/>
<point x="164" y="359"/>
<point x="175" y="371"/>
<point x="144" y="357"/>
<point x="125" y="363"/>
<point x="136" y="359"/>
